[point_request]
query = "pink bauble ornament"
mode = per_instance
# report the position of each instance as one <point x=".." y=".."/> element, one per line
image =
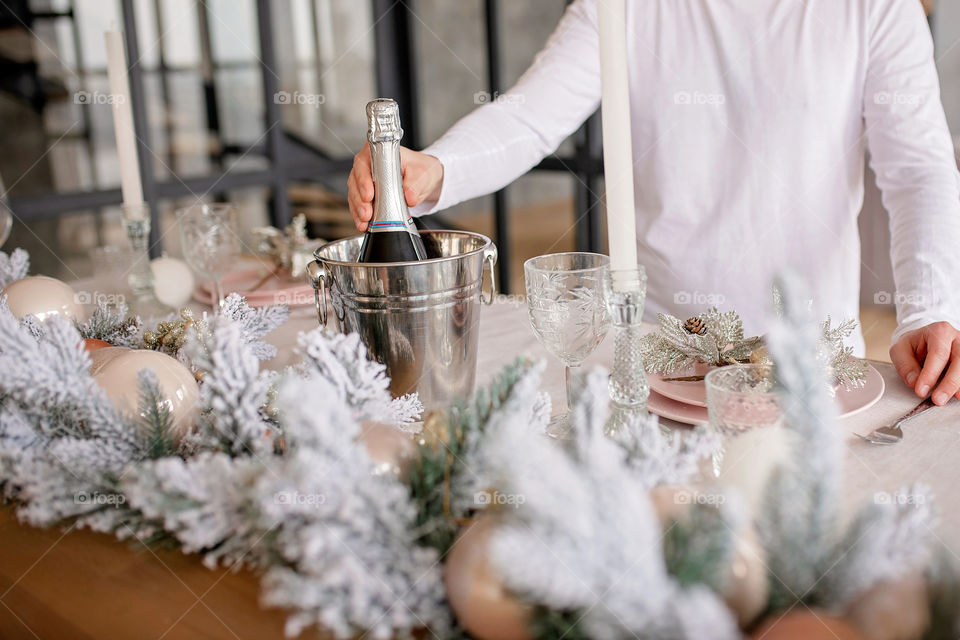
<point x="671" y="503"/>
<point x="116" y="370"/>
<point x="43" y="297"/>
<point x="894" y="610"/>
<point x="805" y="624"/>
<point x="393" y="451"/>
<point x="482" y="604"/>
<point x="747" y="590"/>
<point x="93" y="344"/>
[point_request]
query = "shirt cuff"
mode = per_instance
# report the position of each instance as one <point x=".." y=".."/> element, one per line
<point x="448" y="190"/>
<point x="918" y="322"/>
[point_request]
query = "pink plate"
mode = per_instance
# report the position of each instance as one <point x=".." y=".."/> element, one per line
<point x="858" y="400"/>
<point x="694" y="393"/>
<point x="668" y="408"/>
<point x="848" y="402"/>
<point x="280" y="289"/>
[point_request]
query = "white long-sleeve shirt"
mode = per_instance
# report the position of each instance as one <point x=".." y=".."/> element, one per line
<point x="750" y="122"/>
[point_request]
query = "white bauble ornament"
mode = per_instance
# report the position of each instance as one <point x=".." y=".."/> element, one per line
<point x="482" y="604"/>
<point x="393" y="451"/>
<point x="116" y="370"/>
<point x="173" y="281"/>
<point x="43" y="297"/>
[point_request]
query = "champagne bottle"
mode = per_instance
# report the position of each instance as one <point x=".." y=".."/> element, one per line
<point x="391" y="235"/>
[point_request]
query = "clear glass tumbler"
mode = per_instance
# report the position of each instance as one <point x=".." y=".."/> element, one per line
<point x="744" y="408"/>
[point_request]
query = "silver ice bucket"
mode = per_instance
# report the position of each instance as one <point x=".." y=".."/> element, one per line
<point x="420" y="319"/>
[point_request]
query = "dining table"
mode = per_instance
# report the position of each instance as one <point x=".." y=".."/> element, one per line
<point x="68" y="583"/>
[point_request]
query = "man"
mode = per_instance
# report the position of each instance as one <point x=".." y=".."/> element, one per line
<point x="750" y="123"/>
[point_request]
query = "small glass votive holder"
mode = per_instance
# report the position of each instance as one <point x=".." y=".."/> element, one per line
<point x="741" y="398"/>
<point x="744" y="407"/>
<point x="136" y="224"/>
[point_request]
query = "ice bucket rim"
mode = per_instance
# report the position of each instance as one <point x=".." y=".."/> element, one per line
<point x="487" y="242"/>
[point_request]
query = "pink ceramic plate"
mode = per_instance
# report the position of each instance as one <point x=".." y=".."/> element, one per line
<point x="668" y="408"/>
<point x="280" y="289"/>
<point x="694" y="393"/>
<point x="858" y="400"/>
<point x="848" y="402"/>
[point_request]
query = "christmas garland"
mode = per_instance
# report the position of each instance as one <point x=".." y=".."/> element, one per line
<point x="589" y="540"/>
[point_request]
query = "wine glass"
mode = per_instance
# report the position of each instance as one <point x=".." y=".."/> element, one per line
<point x="211" y="241"/>
<point x="567" y="312"/>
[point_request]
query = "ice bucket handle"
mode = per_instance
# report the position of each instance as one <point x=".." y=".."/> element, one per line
<point x="490" y="260"/>
<point x="318" y="278"/>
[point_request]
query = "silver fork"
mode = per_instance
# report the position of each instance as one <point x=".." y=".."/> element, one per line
<point x="893" y="434"/>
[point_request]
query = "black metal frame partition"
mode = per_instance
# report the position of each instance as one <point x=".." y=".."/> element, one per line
<point x="290" y="158"/>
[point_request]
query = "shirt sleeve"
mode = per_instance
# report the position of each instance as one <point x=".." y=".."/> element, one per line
<point x="505" y="138"/>
<point x="913" y="157"/>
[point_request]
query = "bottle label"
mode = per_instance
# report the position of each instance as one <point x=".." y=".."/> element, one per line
<point x="391" y="225"/>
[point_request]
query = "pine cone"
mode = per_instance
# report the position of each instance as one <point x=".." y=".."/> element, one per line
<point x="695" y="325"/>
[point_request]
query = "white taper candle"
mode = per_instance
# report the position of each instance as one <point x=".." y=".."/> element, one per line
<point x="617" y="151"/>
<point x="123" y="119"/>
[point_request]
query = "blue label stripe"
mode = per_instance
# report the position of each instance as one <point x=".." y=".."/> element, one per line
<point x="389" y="224"/>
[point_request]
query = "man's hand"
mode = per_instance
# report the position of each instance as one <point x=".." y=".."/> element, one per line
<point x="422" y="180"/>
<point x="922" y="355"/>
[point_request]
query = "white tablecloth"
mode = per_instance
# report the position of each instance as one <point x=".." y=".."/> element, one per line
<point x="929" y="452"/>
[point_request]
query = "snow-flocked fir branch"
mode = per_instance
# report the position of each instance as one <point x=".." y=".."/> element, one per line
<point x="156" y="418"/>
<point x="46" y="375"/>
<point x="664" y="457"/>
<point x="586" y="538"/>
<point x="811" y="558"/>
<point x="234" y="391"/>
<point x="255" y="323"/>
<point x="802" y="505"/>
<point x="13" y="266"/>
<point x="348" y="561"/>
<point x="335" y="540"/>
<point x="698" y="547"/>
<point x="452" y="466"/>
<point x="888" y="539"/>
<point x="112" y="325"/>
<point x="360" y="381"/>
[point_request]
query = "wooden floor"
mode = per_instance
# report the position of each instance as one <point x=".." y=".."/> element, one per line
<point x="878" y="325"/>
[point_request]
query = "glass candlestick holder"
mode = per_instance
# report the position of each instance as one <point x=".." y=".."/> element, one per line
<point x="625" y="291"/>
<point x="136" y="224"/>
